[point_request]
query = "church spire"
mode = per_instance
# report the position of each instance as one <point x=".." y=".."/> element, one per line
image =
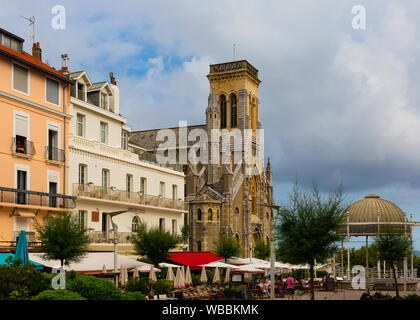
<point x="212" y="104"/>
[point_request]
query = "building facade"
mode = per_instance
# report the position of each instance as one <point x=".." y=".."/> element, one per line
<point x="34" y="103"/>
<point x="225" y="198"/>
<point x="108" y="179"/>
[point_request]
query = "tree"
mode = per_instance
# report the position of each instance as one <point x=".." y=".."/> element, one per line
<point x="185" y="233"/>
<point x="307" y="230"/>
<point x="392" y="247"/>
<point x="62" y="238"/>
<point x="153" y="243"/>
<point x="226" y="246"/>
<point x="262" y="250"/>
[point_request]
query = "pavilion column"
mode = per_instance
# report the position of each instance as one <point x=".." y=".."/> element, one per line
<point x="342" y="258"/>
<point x="348" y="249"/>
<point x="367" y="254"/>
<point x="379" y="269"/>
<point x="384" y="269"/>
<point x="412" y="252"/>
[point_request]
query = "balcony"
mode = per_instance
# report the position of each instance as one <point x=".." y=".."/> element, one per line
<point x="30" y="239"/>
<point x="101" y="237"/>
<point x="35" y="198"/>
<point x="92" y="191"/>
<point x="54" y="154"/>
<point x="22" y="146"/>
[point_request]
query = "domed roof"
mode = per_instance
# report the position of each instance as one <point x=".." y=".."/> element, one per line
<point x="372" y="206"/>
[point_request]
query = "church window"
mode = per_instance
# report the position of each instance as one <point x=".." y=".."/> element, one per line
<point x="210" y="215"/>
<point x="198" y="245"/>
<point x="199" y="215"/>
<point x="223" y="111"/>
<point x="233" y="111"/>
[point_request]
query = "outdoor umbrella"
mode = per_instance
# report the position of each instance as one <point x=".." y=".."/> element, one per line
<point x="152" y="274"/>
<point x="22" y="248"/>
<point x="104" y="269"/>
<point x="227" y="275"/>
<point x="248" y="269"/>
<point x="203" y="278"/>
<point x="146" y="268"/>
<point x="179" y="281"/>
<point x="170" y="274"/>
<point x="136" y="273"/>
<point x="216" y="278"/>
<point x="188" y="279"/>
<point x="122" y="275"/>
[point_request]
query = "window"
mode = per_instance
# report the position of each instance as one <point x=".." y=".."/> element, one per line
<point x="105" y="179"/>
<point x="53" y="89"/>
<point x="81" y="91"/>
<point x="124" y="140"/>
<point x="129" y="184"/>
<point x="199" y="246"/>
<point x="162" y="224"/>
<point x="174" y="192"/>
<point x="174" y="227"/>
<point x="104" y="132"/>
<point x="83" y="218"/>
<point x="135" y="223"/>
<point x="210" y="215"/>
<point x="233" y="111"/>
<point x="104" y="101"/>
<point x="52" y="148"/>
<point x="223" y="111"/>
<point x="199" y="215"/>
<point x="143" y="185"/>
<point x="104" y="222"/>
<point x="162" y="189"/>
<point x="80" y="125"/>
<point x="52" y="199"/>
<point x="20" y="79"/>
<point x="82" y="174"/>
<point x="21" y="185"/>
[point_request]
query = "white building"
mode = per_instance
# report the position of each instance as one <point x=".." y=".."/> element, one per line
<point x="106" y="177"/>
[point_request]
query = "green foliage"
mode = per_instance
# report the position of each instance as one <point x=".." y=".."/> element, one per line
<point x="226" y="246"/>
<point x="133" y="296"/>
<point x="381" y="296"/>
<point x="153" y="243"/>
<point x="162" y="287"/>
<point x="63" y="238"/>
<point x="262" y="250"/>
<point x="195" y="279"/>
<point x="185" y="233"/>
<point x="140" y="284"/>
<point x="234" y="292"/>
<point x="392" y="246"/>
<point x="22" y="282"/>
<point x="93" y="288"/>
<point x="308" y="227"/>
<point x="412" y="297"/>
<point x="59" y="294"/>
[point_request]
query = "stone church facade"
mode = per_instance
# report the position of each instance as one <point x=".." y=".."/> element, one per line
<point x="225" y="198"/>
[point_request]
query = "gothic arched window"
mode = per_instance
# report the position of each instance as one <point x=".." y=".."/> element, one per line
<point x="199" y="214"/>
<point x="223" y="112"/>
<point x="233" y="111"/>
<point x="210" y="215"/>
<point x="135" y="223"/>
<point x="198" y="245"/>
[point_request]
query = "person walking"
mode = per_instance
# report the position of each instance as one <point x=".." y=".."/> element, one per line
<point x="290" y="283"/>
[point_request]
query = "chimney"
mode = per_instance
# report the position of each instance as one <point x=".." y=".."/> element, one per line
<point x="36" y="51"/>
<point x="112" y="79"/>
<point x="64" y="64"/>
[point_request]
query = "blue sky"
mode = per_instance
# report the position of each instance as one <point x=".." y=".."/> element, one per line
<point x="338" y="105"/>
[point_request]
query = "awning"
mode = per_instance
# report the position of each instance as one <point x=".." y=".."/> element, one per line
<point x="193" y="259"/>
<point x="25" y="214"/>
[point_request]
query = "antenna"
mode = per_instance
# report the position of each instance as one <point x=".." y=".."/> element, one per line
<point x="31" y="23"/>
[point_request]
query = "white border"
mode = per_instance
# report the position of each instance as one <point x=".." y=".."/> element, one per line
<point x="28" y="118"/>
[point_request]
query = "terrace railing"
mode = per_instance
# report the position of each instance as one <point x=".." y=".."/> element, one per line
<point x="92" y="191"/>
<point x="35" y="198"/>
<point x="23" y="146"/>
<point x="54" y="154"/>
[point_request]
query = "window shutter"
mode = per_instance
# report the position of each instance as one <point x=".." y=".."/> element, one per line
<point x="20" y="78"/>
<point x="21" y="124"/>
<point x="95" y="216"/>
<point x="52" y="91"/>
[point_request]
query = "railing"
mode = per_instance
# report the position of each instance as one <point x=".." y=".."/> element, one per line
<point x="373" y="273"/>
<point x="23" y="146"/>
<point x="27" y="197"/>
<point x="92" y="191"/>
<point x="151" y="157"/>
<point x="54" y="154"/>
<point x="101" y="237"/>
<point x="30" y="239"/>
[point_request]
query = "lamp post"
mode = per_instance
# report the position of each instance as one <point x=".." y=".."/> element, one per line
<point x="272" y="249"/>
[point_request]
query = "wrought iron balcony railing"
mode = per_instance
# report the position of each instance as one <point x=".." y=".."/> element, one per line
<point x="92" y="191"/>
<point x="54" y="154"/>
<point x="21" y="145"/>
<point x="35" y="198"/>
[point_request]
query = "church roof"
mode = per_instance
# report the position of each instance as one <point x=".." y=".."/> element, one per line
<point x="146" y="139"/>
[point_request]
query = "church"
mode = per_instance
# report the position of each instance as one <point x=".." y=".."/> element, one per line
<point x="225" y="198"/>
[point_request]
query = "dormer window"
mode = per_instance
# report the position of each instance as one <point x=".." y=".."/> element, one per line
<point x="104" y="101"/>
<point x="11" y="41"/>
<point x="80" y="91"/>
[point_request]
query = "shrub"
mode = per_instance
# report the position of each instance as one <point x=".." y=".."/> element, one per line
<point x="59" y="294"/>
<point x="412" y="297"/>
<point x="22" y="282"/>
<point x="162" y="287"/>
<point x="93" y="288"/>
<point x="133" y="296"/>
<point x="234" y="292"/>
<point x="381" y="296"/>
<point x="138" y="285"/>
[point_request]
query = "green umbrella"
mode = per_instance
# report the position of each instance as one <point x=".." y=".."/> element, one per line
<point x="22" y="248"/>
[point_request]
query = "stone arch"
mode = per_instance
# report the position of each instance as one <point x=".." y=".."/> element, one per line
<point x="135" y="223"/>
<point x="256" y="235"/>
<point x="210" y="215"/>
<point x="233" y="99"/>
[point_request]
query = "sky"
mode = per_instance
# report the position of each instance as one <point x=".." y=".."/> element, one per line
<point x="338" y="105"/>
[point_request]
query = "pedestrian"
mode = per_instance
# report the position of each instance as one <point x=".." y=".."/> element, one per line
<point x="290" y="283"/>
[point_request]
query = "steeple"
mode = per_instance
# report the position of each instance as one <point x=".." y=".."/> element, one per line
<point x="212" y="102"/>
<point x="268" y="172"/>
<point x="212" y="112"/>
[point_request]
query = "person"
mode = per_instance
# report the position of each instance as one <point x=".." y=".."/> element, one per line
<point x="290" y="281"/>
